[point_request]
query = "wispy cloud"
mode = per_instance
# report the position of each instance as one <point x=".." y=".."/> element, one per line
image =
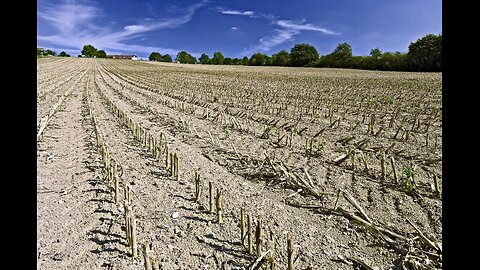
<point x="303" y="26"/>
<point x="235" y="28"/>
<point x="287" y="32"/>
<point x="248" y="13"/>
<point x="76" y="25"/>
<point x="69" y="17"/>
<point x="237" y="12"/>
<point x="266" y="43"/>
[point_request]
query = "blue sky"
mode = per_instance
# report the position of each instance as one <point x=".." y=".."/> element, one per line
<point x="236" y="28"/>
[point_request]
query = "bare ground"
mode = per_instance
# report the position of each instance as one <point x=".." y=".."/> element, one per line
<point x="79" y="226"/>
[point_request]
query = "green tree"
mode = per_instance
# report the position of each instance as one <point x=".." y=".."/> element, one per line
<point x="282" y="58"/>
<point x="245" y="61"/>
<point x="63" y="54"/>
<point x="425" y="54"/>
<point x="217" y="58"/>
<point x="155" y="56"/>
<point x="227" y="61"/>
<point x="375" y="53"/>
<point x="400" y="60"/>
<point x="101" y="54"/>
<point x="372" y="61"/>
<point x="236" y="61"/>
<point x="303" y="54"/>
<point x="89" y="51"/>
<point x="357" y="61"/>
<point x="204" y="59"/>
<point x="268" y="61"/>
<point x="259" y="59"/>
<point x="49" y="52"/>
<point x="325" y="61"/>
<point x="151" y="57"/>
<point x="386" y="61"/>
<point x="343" y="51"/>
<point x="342" y="55"/>
<point x="185" y="58"/>
<point x="167" y="58"/>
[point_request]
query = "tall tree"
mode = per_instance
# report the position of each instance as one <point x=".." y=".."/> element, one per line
<point x="343" y="51"/>
<point x="245" y="61"/>
<point x="204" y="59"/>
<point x="303" y="54"/>
<point x="217" y="58"/>
<point x="89" y="51"/>
<point x="281" y="58"/>
<point x="342" y="55"/>
<point x="375" y="53"/>
<point x="49" y="52"/>
<point x="155" y="56"/>
<point x="185" y="58"/>
<point x="373" y="60"/>
<point x="167" y="58"/>
<point x="425" y="54"/>
<point x="259" y="59"/>
<point x="63" y="54"/>
<point x="101" y="54"/>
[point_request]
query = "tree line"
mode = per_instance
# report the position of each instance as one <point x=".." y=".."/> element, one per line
<point x="41" y="52"/>
<point x="425" y="54"/>
<point x="87" y="51"/>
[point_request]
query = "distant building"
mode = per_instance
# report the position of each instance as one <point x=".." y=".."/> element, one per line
<point x="123" y="56"/>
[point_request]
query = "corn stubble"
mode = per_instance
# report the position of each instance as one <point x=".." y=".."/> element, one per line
<point x="386" y="115"/>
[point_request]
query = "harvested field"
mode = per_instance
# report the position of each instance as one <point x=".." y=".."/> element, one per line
<point x="132" y="157"/>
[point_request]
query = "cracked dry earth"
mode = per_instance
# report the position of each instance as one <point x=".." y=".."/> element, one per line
<point x="240" y="129"/>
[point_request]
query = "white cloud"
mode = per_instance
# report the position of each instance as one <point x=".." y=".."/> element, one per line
<point x="287" y="32"/>
<point x="295" y="26"/>
<point x="248" y="13"/>
<point x="236" y="12"/>
<point x="235" y="28"/>
<point x="135" y="28"/>
<point x="76" y="27"/>
<point x="265" y="44"/>
<point x="67" y="17"/>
